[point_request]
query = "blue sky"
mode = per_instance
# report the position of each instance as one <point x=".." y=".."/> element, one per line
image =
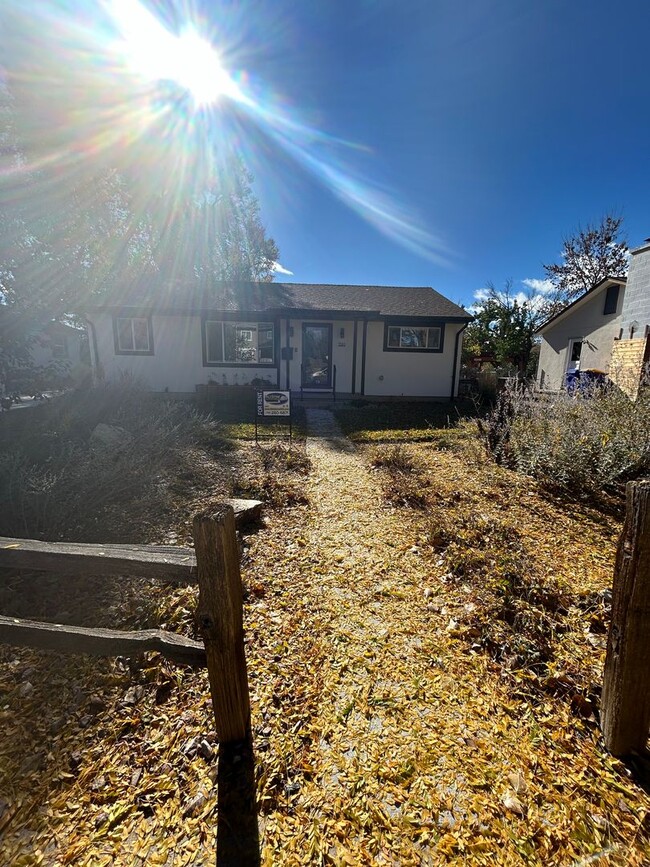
<point x="411" y="142"/>
<point x="501" y="123"/>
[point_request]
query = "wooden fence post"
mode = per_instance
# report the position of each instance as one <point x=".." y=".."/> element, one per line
<point x="220" y="616"/>
<point x="625" y="711"/>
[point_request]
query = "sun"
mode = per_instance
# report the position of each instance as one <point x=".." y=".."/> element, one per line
<point x="198" y="69"/>
<point x="156" y="54"/>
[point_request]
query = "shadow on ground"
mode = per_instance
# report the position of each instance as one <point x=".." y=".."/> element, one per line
<point x="238" y="842"/>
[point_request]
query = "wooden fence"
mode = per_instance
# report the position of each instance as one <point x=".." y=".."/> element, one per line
<point x="625" y="709"/>
<point x="214" y="565"/>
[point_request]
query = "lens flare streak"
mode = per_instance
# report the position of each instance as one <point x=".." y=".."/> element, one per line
<point x="143" y="95"/>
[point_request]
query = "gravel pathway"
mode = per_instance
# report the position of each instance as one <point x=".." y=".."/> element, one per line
<point x="389" y="707"/>
<point x="397" y="742"/>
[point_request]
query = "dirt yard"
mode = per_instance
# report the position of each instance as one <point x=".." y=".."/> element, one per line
<point x="425" y="639"/>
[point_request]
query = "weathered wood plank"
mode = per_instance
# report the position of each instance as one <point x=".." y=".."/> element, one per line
<point x="99" y="642"/>
<point x="246" y="511"/>
<point x="166" y="562"/>
<point x="220" y="617"/>
<point x="625" y="707"/>
<point x="73" y="558"/>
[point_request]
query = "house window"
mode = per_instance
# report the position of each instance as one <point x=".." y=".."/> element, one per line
<point x="576" y="351"/>
<point x="60" y="347"/>
<point x="611" y="300"/>
<point x="133" y="335"/>
<point x="239" y="342"/>
<point x="400" y="338"/>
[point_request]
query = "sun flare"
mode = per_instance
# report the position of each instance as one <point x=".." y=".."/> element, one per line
<point x="156" y="54"/>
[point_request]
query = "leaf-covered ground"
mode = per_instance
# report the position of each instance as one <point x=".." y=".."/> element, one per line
<point x="425" y="639"/>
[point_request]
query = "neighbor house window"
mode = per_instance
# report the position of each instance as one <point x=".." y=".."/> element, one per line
<point x="611" y="300"/>
<point x="415" y="337"/>
<point x="59" y="347"/>
<point x="133" y="335"/>
<point x="239" y="342"/>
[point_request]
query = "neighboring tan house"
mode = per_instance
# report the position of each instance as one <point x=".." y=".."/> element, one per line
<point x="53" y="354"/>
<point x="582" y="335"/>
<point x="605" y="329"/>
<point x="57" y="346"/>
<point x="379" y="341"/>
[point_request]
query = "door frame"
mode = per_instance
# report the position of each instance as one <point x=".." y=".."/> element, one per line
<point x="330" y="326"/>
<point x="572" y="342"/>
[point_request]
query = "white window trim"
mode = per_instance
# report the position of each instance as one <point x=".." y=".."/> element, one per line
<point x="121" y="350"/>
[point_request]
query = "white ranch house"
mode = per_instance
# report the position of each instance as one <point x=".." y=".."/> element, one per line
<point x="377" y="341"/>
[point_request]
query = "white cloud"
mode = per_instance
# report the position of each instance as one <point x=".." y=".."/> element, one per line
<point x="481" y="295"/>
<point x="280" y="269"/>
<point x="539" y="287"/>
<point x="534" y="297"/>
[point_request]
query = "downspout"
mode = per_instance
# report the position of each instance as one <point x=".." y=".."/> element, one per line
<point x="288" y="354"/>
<point x="453" y="374"/>
<point x="363" y="356"/>
<point x="95" y="363"/>
<point x="354" y="359"/>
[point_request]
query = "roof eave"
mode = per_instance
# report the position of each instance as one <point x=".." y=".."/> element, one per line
<point x="588" y="294"/>
<point x="281" y="312"/>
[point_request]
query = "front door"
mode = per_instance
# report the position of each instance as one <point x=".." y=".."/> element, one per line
<point x="575" y="351"/>
<point x="316" y="356"/>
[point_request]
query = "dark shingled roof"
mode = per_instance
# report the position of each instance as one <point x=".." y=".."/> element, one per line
<point x="280" y="297"/>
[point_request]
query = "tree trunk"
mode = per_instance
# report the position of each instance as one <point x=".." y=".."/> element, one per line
<point x="625" y="710"/>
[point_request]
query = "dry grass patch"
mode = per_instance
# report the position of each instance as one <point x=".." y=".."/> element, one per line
<point x="397" y="720"/>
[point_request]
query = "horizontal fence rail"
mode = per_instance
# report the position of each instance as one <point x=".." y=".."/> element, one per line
<point x="100" y="642"/>
<point x="215" y="567"/>
<point x="73" y="558"/>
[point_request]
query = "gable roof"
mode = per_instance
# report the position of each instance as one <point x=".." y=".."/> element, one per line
<point x="590" y="293"/>
<point x="279" y="298"/>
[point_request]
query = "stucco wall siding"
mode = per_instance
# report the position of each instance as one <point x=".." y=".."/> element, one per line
<point x="177" y="361"/>
<point x="176" y="364"/>
<point x="587" y="323"/>
<point x="408" y="373"/>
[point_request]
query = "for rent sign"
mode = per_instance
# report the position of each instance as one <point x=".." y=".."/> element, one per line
<point x="274" y="403"/>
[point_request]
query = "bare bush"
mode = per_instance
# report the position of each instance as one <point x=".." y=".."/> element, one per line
<point x="280" y="457"/>
<point x="583" y="441"/>
<point x="56" y="482"/>
<point x="395" y="459"/>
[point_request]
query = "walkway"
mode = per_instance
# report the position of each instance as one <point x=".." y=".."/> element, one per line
<point x="392" y="724"/>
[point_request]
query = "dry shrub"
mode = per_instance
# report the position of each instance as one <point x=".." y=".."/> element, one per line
<point x="56" y="482"/>
<point x="275" y="475"/>
<point x="403" y="484"/>
<point x="280" y="457"/>
<point x="272" y="489"/>
<point x="519" y="611"/>
<point x="582" y="442"/>
<point x="395" y="459"/>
